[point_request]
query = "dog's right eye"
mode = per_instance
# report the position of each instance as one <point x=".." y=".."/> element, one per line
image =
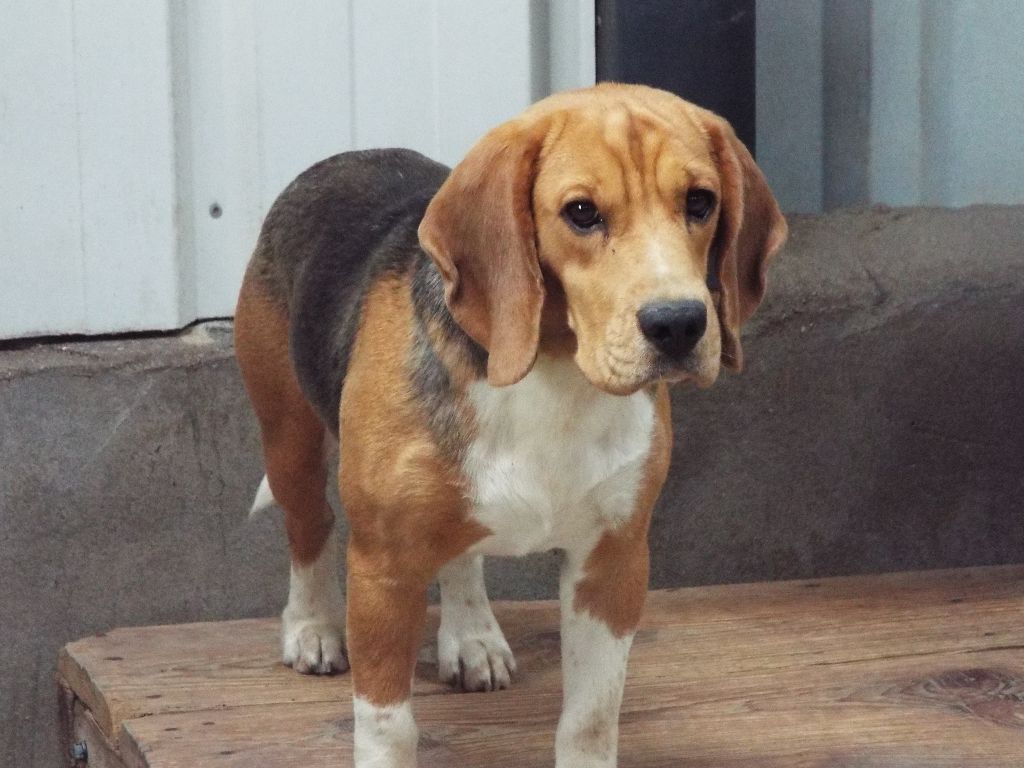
<point x="583" y="215"/>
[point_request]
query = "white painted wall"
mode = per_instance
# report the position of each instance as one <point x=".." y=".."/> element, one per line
<point x="123" y="122"/>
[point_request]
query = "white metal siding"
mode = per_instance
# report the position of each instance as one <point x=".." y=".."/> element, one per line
<point x="87" y="239"/>
<point x="941" y="121"/>
<point x="122" y="123"/>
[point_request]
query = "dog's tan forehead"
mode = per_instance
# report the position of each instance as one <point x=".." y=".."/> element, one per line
<point x="616" y="110"/>
<point x="622" y="143"/>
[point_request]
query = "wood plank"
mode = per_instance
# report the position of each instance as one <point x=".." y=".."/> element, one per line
<point x="919" y="669"/>
<point x="138" y="672"/>
<point x="958" y="709"/>
<point x="689" y="632"/>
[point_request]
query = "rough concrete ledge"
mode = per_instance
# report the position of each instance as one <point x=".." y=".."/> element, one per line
<point x="199" y="344"/>
<point x="873" y="266"/>
<point x="879" y="425"/>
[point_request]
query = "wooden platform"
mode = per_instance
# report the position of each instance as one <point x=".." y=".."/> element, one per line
<point x="898" y="671"/>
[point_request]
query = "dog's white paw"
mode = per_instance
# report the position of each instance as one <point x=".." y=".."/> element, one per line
<point x="475" y="660"/>
<point x="314" y="647"/>
<point x="313" y="622"/>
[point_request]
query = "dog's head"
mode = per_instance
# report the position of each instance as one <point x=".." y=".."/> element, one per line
<point x="620" y="217"/>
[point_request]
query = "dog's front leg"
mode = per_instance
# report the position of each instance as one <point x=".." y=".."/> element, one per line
<point x="386" y="611"/>
<point x="602" y="598"/>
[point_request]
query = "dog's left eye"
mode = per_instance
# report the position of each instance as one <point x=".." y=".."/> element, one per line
<point x="699" y="204"/>
<point x="583" y="215"/>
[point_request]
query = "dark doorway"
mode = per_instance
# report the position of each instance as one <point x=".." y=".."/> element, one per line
<point x="703" y="50"/>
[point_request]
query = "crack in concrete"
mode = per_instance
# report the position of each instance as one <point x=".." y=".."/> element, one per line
<point x="933" y="430"/>
<point x="119" y="420"/>
<point x="881" y="294"/>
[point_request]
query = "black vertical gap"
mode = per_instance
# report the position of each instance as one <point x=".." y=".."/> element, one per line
<point x="540" y="49"/>
<point x="702" y="50"/>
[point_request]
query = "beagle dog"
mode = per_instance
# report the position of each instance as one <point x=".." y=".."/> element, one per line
<point x="492" y="347"/>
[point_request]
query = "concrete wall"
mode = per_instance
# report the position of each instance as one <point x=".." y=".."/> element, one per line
<point x="879" y="426"/>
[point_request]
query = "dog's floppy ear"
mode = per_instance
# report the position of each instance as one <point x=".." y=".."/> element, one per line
<point x="479" y="231"/>
<point x="751" y="229"/>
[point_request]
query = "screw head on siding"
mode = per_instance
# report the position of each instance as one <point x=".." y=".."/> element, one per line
<point x="215" y="210"/>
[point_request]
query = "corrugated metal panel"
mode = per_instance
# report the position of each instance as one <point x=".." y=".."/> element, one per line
<point x="87" y="224"/>
<point x="142" y="142"/>
<point x="901" y="102"/>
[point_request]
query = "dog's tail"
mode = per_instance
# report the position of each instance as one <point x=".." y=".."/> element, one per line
<point x="264" y="498"/>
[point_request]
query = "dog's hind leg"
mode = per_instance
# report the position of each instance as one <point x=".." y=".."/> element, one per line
<point x="313" y="623"/>
<point x="472" y="652"/>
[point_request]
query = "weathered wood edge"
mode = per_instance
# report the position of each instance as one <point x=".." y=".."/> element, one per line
<point x="131" y="752"/>
<point x="66" y="723"/>
<point x="82" y="741"/>
<point x="79" y="681"/>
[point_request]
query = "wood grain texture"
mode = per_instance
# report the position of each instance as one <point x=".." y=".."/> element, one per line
<point x="912" y="670"/>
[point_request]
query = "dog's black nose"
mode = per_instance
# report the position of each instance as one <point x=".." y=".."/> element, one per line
<point x="674" y="327"/>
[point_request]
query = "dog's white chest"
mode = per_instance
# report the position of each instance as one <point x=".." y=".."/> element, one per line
<point x="555" y="460"/>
